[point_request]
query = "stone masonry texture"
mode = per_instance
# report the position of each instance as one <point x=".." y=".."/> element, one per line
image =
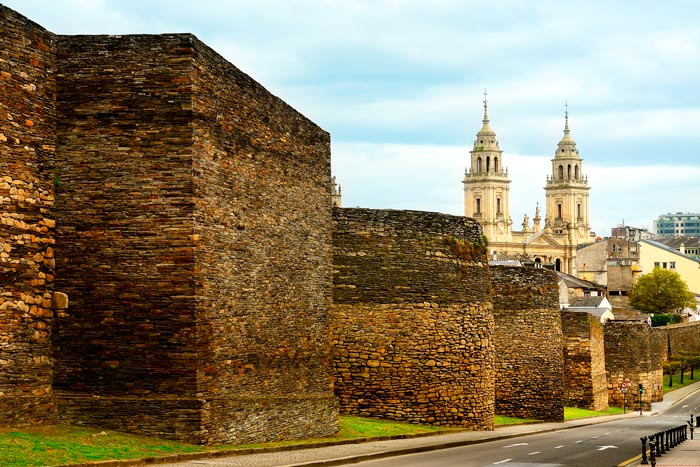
<point x="27" y="268"/>
<point x="528" y="343"/>
<point x="188" y="212"/>
<point x="585" y="383"/>
<point x="194" y="229"/>
<point x="412" y="320"/>
<point x="633" y="353"/>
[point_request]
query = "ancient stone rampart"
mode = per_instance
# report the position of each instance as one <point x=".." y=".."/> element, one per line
<point x="528" y="343"/>
<point x="192" y="235"/>
<point x="633" y="354"/>
<point x="679" y="338"/>
<point x="27" y="268"/>
<point x="585" y="383"/>
<point x="195" y="245"/>
<point x="412" y="319"/>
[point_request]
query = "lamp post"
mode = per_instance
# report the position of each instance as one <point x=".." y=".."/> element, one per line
<point x="641" y="391"/>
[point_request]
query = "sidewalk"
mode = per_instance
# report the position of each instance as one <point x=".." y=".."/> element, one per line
<point x="353" y="453"/>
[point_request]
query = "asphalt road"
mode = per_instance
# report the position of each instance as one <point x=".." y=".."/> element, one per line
<point x="603" y="445"/>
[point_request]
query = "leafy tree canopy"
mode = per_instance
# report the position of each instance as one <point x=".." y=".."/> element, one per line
<point x="661" y="291"/>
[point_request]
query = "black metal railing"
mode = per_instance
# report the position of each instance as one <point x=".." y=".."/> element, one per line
<point x="662" y="441"/>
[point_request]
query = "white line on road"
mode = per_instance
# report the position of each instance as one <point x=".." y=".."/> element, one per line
<point x="603" y="448"/>
<point x="533" y="453"/>
<point x="516" y="444"/>
<point x="607" y="433"/>
<point x="686" y="405"/>
<point x="559" y="447"/>
<point x="594" y="437"/>
<point x="502" y="462"/>
<point x="579" y="441"/>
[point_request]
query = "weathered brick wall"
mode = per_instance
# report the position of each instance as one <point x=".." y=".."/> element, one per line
<point x="27" y="144"/>
<point x="528" y="342"/>
<point x="263" y="254"/>
<point x="633" y="354"/>
<point x="412" y="322"/>
<point x="124" y="234"/>
<point x="194" y="230"/>
<point x="585" y="383"/>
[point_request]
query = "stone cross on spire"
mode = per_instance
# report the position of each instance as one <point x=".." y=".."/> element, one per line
<point x="566" y="117"/>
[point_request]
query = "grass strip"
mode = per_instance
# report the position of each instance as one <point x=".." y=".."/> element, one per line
<point x="62" y="444"/>
<point x="677" y="380"/>
<point x="574" y="413"/>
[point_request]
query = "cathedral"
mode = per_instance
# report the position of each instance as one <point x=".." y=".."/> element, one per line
<point x="566" y="225"/>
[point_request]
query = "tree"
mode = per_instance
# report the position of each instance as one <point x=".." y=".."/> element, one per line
<point x="661" y="291"/>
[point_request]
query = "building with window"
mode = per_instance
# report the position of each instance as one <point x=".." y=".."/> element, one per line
<point x="654" y="254"/>
<point x="614" y="263"/>
<point x="566" y="222"/>
<point x="680" y="223"/>
<point x="685" y="244"/>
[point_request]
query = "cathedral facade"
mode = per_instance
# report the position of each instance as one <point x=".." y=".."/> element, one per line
<point x="566" y="222"/>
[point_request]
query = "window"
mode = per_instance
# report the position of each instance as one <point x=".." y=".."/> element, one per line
<point x="576" y="172"/>
<point x="578" y="210"/>
<point x="559" y="211"/>
<point x="478" y="206"/>
<point x="498" y="205"/>
<point x="665" y="265"/>
<point x="656" y="264"/>
<point x="561" y="171"/>
<point x="478" y="164"/>
<point x="672" y="265"/>
<point x="495" y="164"/>
<point x="568" y="172"/>
<point x="488" y="163"/>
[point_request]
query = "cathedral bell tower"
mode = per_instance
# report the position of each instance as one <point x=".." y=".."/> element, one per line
<point x="567" y="191"/>
<point x="486" y="185"/>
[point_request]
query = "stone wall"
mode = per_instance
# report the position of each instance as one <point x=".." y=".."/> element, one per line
<point x="585" y="382"/>
<point x="679" y="338"/>
<point x="263" y="257"/>
<point x="194" y="236"/>
<point x="27" y="268"/>
<point x="412" y="321"/>
<point x="633" y="354"/>
<point x="528" y="342"/>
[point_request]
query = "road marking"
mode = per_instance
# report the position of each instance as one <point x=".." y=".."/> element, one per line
<point x="579" y="441"/>
<point x="502" y="462"/>
<point x="594" y="437"/>
<point x="533" y="453"/>
<point x="686" y="405"/>
<point x="558" y="447"/>
<point x="516" y="444"/>
<point x="607" y="433"/>
<point x="603" y="448"/>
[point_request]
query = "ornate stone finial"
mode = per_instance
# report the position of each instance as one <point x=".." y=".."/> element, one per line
<point x="537" y="210"/>
<point x="566" y="117"/>
<point x="486" y="115"/>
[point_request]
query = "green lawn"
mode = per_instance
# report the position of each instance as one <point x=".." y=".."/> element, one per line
<point x="573" y="413"/>
<point x="502" y="420"/>
<point x="677" y="380"/>
<point x="60" y="444"/>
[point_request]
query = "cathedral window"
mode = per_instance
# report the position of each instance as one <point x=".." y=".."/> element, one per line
<point x="488" y="163"/>
<point x="478" y="205"/>
<point x="498" y="205"/>
<point x="578" y="210"/>
<point x="495" y="164"/>
<point x="478" y="164"/>
<point x="561" y="172"/>
<point x="559" y="211"/>
<point x="568" y="172"/>
<point x="576" y="172"/>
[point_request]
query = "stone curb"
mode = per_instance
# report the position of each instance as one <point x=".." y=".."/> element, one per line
<point x="350" y="459"/>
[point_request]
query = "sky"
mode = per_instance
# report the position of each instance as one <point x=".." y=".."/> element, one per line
<point x="399" y="85"/>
